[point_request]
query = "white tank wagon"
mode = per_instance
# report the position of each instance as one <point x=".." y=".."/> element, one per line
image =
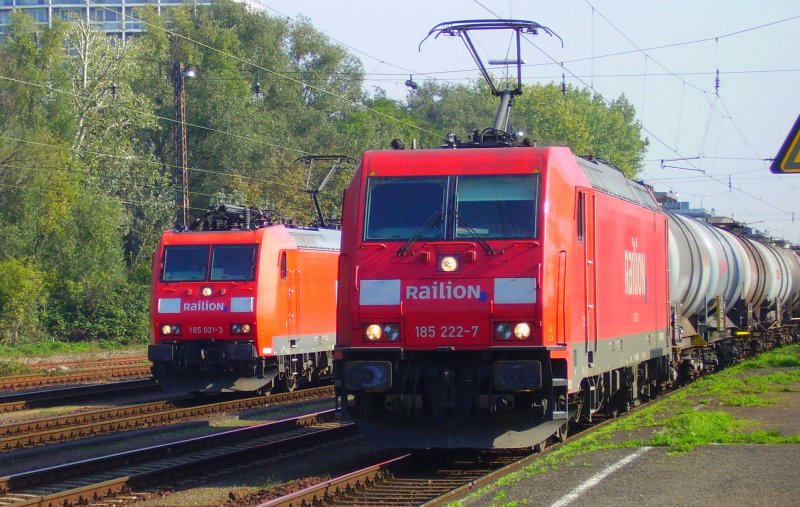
<point x="730" y="295"/>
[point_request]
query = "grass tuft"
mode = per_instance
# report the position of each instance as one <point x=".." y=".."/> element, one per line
<point x="746" y="400"/>
<point x="10" y="368"/>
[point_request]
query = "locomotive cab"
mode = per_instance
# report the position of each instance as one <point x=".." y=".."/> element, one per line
<point x="209" y="332"/>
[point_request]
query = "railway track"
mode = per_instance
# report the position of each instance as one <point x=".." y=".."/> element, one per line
<point x="409" y="479"/>
<point x="82" y="365"/>
<point x="88" y="481"/>
<point x="50" y="397"/>
<point x="431" y="478"/>
<point x="76" y="377"/>
<point x="98" y="422"/>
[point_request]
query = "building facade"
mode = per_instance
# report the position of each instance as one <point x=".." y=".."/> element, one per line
<point x="115" y="17"/>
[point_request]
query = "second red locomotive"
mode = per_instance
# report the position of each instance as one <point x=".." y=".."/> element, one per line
<point x="244" y="304"/>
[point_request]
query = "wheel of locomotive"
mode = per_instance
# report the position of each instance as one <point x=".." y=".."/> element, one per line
<point x="267" y="389"/>
<point x="540" y="410"/>
<point x="290" y="382"/>
<point x="289" y="379"/>
<point x="562" y="433"/>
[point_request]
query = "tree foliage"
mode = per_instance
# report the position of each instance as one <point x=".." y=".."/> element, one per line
<point x="87" y="157"/>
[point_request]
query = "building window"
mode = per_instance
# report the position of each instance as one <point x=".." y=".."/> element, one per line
<point x="21" y="3"/>
<point x="68" y="14"/>
<point x="103" y="14"/>
<point x="131" y="20"/>
<point x="39" y="15"/>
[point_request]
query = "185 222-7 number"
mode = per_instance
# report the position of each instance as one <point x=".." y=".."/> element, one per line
<point x="446" y="331"/>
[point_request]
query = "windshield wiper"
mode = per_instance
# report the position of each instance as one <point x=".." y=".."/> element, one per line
<point x="429" y="223"/>
<point x="486" y="246"/>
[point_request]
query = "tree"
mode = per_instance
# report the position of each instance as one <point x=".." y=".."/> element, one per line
<point x="583" y="121"/>
<point x="22" y="296"/>
<point x="87" y="146"/>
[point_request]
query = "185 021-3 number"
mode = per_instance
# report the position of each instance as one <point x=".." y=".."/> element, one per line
<point x="206" y="329"/>
<point x="446" y="331"/>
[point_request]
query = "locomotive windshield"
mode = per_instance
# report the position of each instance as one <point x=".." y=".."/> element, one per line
<point x="233" y="262"/>
<point x="398" y="208"/>
<point x="189" y="263"/>
<point x="185" y="263"/>
<point x="454" y="207"/>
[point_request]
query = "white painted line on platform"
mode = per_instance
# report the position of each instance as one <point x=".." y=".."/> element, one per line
<point x="595" y="479"/>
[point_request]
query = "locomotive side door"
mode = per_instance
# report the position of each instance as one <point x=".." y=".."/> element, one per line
<point x="586" y="235"/>
<point x="293" y="293"/>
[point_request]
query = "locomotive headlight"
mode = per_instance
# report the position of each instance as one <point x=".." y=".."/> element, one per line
<point x="522" y="330"/>
<point x="508" y="330"/>
<point x="170" y="329"/>
<point x="447" y="263"/>
<point x="373" y="332"/>
<point x="206" y="291"/>
<point x="502" y="331"/>
<point x="389" y="332"/>
<point x="241" y="328"/>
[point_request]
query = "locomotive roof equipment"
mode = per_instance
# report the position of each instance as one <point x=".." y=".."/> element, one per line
<point x="336" y="163"/>
<point x="497" y="134"/>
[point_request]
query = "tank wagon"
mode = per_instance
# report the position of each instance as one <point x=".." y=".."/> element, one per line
<point x="732" y="293"/>
<point x="491" y="291"/>
<point x="241" y="302"/>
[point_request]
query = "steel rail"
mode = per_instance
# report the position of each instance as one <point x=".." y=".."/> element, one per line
<point x="89" y="480"/>
<point x="83" y="365"/>
<point x="47" y="398"/>
<point x="60" y="428"/>
<point x="408" y="479"/>
<point x="24" y="381"/>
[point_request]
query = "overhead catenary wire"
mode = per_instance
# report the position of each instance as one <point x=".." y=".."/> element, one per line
<point x="405" y="70"/>
<point x="150" y="161"/>
<point x="712" y="105"/>
<point x="677" y="145"/>
<point x="652" y="134"/>
<point x="164" y="118"/>
<point x="276" y="73"/>
<point x="727" y="184"/>
<point x="290" y="209"/>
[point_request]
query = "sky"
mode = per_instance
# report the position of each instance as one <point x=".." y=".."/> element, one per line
<point x="709" y="143"/>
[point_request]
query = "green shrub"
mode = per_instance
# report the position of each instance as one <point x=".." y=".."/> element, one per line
<point x="22" y="294"/>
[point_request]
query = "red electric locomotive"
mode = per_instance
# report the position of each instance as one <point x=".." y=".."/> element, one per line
<point x="244" y="304"/>
<point x="469" y="285"/>
<point x="490" y="291"/>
